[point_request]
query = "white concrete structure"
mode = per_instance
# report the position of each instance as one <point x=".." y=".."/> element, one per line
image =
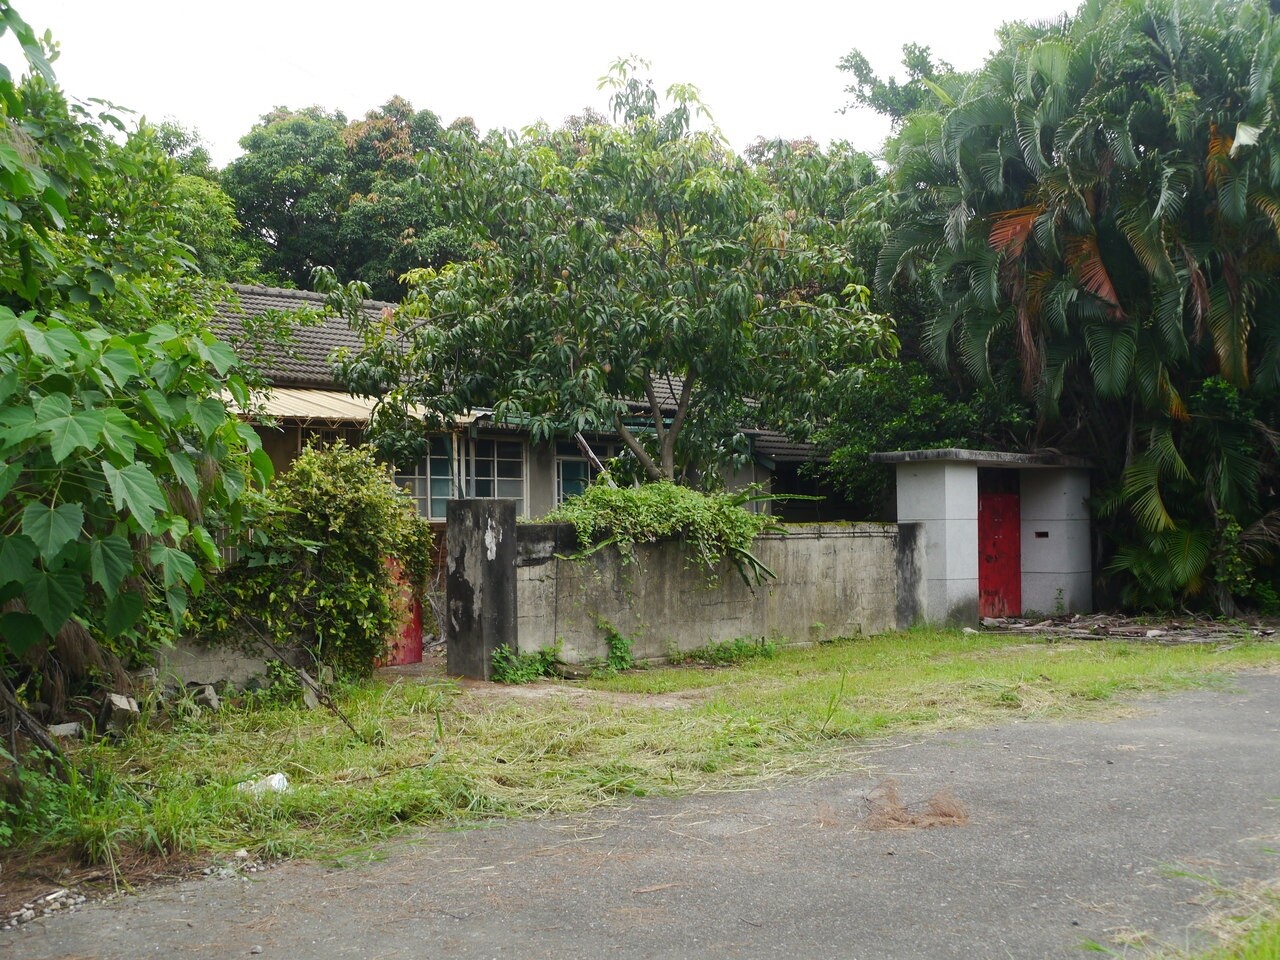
<point x="1050" y="544"/>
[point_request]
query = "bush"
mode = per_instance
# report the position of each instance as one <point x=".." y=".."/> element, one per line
<point x="713" y="526"/>
<point x="319" y="570"/>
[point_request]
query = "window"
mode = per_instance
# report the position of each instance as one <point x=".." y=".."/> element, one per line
<point x="490" y="469"/>
<point x="574" y="472"/>
<point x="431" y="483"/>
<point x="497" y="471"/>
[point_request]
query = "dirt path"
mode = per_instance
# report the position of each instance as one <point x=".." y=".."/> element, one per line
<point x="1075" y="832"/>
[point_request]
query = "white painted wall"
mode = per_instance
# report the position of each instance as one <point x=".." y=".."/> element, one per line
<point x="1057" y="568"/>
<point x="943" y="497"/>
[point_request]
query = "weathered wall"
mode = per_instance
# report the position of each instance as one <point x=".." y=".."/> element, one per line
<point x="191" y="662"/>
<point x="832" y="580"/>
<point x="480" y="583"/>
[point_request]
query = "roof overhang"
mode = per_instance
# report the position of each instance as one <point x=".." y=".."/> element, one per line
<point x="981" y="458"/>
<point x="320" y="406"/>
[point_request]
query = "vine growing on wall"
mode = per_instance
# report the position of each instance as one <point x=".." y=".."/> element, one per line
<point x="712" y="526"/>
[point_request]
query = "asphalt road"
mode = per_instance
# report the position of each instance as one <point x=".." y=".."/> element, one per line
<point x="1077" y="831"/>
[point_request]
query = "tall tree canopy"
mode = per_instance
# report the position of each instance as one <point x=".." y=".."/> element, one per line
<point x="289" y="186"/>
<point x="314" y="190"/>
<point x="1099" y="207"/>
<point x="635" y="277"/>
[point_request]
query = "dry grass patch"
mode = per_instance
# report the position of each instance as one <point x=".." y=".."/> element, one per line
<point x="888" y="811"/>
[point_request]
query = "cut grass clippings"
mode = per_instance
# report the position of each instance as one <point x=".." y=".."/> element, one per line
<point x="433" y="752"/>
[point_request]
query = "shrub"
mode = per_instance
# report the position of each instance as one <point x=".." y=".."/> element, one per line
<point x="713" y="526"/>
<point x="318" y="570"/>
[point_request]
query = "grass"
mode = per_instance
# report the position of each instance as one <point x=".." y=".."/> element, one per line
<point x="431" y="753"/>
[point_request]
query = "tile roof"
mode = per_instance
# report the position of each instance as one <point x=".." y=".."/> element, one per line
<point x="306" y="362"/>
<point x="777" y="447"/>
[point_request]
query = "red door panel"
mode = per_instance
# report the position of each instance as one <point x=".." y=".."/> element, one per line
<point x="999" y="553"/>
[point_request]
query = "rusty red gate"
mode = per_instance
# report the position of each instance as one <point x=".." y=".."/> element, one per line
<point x="999" y="544"/>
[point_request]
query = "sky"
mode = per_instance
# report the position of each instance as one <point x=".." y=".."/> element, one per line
<point x="764" y="69"/>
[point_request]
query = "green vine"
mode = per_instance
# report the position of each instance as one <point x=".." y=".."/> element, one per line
<point x="712" y="526"/>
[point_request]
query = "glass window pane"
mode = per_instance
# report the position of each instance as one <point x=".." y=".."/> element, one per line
<point x="439" y="508"/>
<point x="510" y="451"/>
<point x="510" y="489"/>
<point x="439" y="446"/>
<point x="441" y="487"/>
<point x="484" y="488"/>
<point x="484" y="448"/>
<point x="484" y="468"/>
<point x="510" y="469"/>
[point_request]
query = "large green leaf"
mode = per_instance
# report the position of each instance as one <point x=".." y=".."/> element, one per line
<point x="77" y="431"/>
<point x="123" y="611"/>
<point x="208" y="415"/>
<point x="121" y="364"/>
<point x="19" y="632"/>
<point x="9" y="474"/>
<point x="135" y="488"/>
<point x="110" y="561"/>
<point x="17" y="556"/>
<point x="52" y="596"/>
<point x="178" y="567"/>
<point x="184" y="470"/>
<point x="52" y="528"/>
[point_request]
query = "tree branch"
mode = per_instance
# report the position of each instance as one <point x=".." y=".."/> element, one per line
<point x="651" y="469"/>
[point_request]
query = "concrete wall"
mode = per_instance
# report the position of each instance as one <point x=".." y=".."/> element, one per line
<point x="943" y="497"/>
<point x="480" y="587"/>
<point x="541" y="483"/>
<point x="832" y="580"/>
<point x="1057" y="569"/>
<point x="191" y="662"/>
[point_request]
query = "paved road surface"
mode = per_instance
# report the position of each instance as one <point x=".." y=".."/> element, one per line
<point x="1075" y="831"/>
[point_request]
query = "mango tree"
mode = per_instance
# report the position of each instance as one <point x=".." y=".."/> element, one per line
<point x="634" y="277"/>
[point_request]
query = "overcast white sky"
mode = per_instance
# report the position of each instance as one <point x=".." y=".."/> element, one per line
<point x="764" y="69"/>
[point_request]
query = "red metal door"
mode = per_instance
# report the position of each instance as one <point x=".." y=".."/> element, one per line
<point x="999" y="546"/>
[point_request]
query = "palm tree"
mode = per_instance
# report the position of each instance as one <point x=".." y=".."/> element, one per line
<point x="1099" y="208"/>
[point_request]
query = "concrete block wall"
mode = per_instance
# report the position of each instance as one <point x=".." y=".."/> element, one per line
<point x="832" y="580"/>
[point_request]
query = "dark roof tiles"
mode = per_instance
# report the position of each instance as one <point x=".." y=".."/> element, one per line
<point x="305" y="363"/>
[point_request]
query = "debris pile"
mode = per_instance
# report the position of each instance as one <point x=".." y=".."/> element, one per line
<point x="1108" y="626"/>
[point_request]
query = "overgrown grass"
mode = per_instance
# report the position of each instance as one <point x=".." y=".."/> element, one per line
<point x="431" y="753"/>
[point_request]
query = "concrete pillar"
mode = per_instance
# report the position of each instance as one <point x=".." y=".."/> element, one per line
<point x="480" y="584"/>
<point x="942" y="496"/>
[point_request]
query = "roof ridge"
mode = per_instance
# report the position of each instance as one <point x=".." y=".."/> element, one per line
<point x="255" y="289"/>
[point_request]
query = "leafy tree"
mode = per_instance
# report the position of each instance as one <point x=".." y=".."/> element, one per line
<point x="906" y="405"/>
<point x="205" y="215"/>
<point x="289" y="189"/>
<point x="887" y="96"/>
<point x="1099" y="208"/>
<point x="117" y="454"/>
<point x="392" y="222"/>
<point x="633" y="277"/>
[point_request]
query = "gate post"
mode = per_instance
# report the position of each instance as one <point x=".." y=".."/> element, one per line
<point x="480" y="584"/>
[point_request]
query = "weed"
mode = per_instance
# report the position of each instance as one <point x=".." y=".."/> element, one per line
<point x="511" y="666"/>
<point x="618" y="657"/>
<point x="728" y="652"/>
